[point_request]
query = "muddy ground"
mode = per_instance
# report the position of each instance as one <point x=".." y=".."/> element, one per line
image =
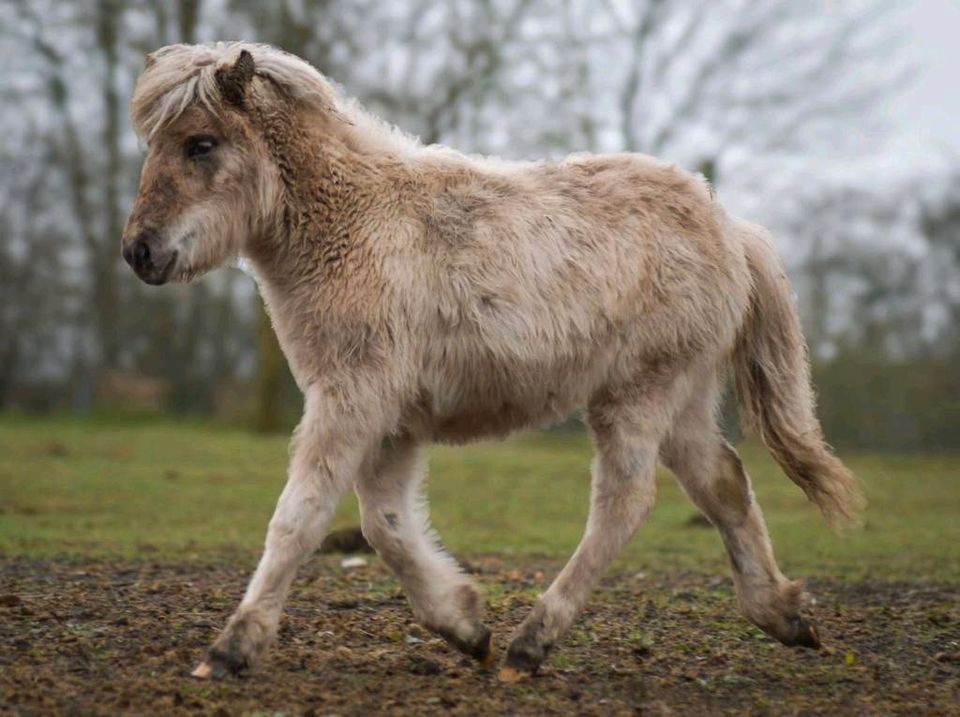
<point x="121" y="637"/>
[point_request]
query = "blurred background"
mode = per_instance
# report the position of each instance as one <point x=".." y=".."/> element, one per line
<point x="833" y="123"/>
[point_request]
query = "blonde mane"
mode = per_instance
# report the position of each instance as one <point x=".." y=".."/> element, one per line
<point x="179" y="76"/>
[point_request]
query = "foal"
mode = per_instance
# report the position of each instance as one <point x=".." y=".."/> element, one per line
<point x="423" y="295"/>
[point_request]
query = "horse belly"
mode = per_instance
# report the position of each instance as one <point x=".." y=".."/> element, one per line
<point x="494" y="399"/>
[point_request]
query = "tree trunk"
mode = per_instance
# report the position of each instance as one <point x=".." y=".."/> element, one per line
<point x="267" y="415"/>
<point x="106" y="296"/>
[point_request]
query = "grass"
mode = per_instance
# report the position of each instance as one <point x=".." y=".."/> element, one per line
<point x="194" y="489"/>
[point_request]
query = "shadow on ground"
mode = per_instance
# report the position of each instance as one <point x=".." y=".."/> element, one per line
<point x="121" y="637"/>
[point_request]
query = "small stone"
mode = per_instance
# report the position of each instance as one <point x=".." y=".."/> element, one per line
<point x="353" y="562"/>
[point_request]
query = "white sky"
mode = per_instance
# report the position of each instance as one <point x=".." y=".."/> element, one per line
<point x="921" y="132"/>
<point x="928" y="112"/>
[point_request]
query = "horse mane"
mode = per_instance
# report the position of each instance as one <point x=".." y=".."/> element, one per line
<point x="180" y="76"/>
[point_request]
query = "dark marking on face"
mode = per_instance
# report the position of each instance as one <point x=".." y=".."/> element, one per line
<point x="172" y="179"/>
<point x="392" y="520"/>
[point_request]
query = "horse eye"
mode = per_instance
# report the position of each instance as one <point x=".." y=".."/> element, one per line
<point x="200" y="146"/>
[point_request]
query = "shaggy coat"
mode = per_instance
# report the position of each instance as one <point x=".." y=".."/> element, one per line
<point x="423" y="295"/>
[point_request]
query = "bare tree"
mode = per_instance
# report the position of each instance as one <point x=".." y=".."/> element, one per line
<point x="708" y="82"/>
<point x="29" y="312"/>
<point x="98" y="222"/>
<point x="721" y="87"/>
<point x="940" y="275"/>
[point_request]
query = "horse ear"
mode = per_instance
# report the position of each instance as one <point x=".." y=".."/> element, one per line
<point x="233" y="81"/>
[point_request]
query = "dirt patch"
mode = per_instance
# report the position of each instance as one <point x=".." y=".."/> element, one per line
<point x="121" y="637"/>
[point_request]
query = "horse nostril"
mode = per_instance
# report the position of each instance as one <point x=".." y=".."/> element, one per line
<point x="141" y="254"/>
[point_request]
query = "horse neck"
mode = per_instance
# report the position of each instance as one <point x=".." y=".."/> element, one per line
<point x="325" y="177"/>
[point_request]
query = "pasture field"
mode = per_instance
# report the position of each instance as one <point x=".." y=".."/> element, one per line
<point x="124" y="545"/>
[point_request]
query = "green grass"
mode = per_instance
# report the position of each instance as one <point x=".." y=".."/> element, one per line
<point x="193" y="489"/>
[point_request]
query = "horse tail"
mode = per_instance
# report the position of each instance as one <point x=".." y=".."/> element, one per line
<point x="772" y="372"/>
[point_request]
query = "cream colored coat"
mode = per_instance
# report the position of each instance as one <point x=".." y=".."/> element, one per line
<point x="424" y="295"/>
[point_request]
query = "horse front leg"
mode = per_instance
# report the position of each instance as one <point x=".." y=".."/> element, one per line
<point x="393" y="514"/>
<point x="326" y="458"/>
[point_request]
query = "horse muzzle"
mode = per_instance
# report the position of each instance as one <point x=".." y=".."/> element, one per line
<point x="150" y="263"/>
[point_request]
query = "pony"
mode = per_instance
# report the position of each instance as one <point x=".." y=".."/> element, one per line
<point x="423" y="295"/>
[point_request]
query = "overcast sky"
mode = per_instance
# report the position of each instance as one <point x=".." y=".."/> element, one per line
<point x="929" y="111"/>
<point x="921" y="132"/>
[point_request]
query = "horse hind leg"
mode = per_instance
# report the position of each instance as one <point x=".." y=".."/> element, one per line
<point x="626" y="427"/>
<point x="711" y="473"/>
<point x="394" y="521"/>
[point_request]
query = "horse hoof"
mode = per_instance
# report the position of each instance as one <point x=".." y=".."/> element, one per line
<point x="485" y="653"/>
<point x="805" y="634"/>
<point x="481" y="649"/>
<point x="218" y="665"/>
<point x="799" y="632"/>
<point x="488" y="654"/>
<point x="511" y="675"/>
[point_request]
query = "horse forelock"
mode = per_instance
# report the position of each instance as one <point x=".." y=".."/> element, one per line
<point x="179" y="76"/>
